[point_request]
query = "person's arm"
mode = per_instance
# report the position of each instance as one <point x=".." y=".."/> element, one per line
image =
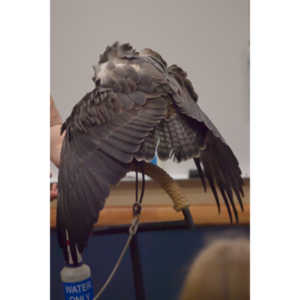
<point x="56" y="139"/>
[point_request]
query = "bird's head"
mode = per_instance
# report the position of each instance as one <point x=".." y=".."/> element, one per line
<point x="113" y="56"/>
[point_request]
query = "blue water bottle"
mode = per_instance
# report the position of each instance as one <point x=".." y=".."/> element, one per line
<point x="77" y="280"/>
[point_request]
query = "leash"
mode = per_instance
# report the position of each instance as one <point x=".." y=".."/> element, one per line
<point x="136" y="210"/>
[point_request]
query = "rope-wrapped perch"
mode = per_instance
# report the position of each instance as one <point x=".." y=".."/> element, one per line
<point x="166" y="182"/>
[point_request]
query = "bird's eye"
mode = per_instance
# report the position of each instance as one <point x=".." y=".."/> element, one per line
<point x="97" y="81"/>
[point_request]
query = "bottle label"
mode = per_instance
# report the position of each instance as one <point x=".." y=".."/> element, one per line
<point x="82" y="290"/>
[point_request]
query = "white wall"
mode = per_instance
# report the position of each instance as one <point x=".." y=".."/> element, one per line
<point x="207" y="38"/>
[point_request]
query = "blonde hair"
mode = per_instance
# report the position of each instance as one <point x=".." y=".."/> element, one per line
<point x="220" y="272"/>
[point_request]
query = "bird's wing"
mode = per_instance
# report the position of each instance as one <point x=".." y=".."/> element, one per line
<point x="103" y="133"/>
<point x="186" y="98"/>
<point x="216" y="163"/>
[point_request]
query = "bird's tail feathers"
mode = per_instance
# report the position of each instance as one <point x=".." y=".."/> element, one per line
<point x="177" y="139"/>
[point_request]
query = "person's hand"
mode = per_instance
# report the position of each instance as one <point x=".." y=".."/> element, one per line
<point x="53" y="191"/>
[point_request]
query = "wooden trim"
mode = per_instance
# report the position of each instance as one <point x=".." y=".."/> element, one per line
<point x="203" y="214"/>
<point x="124" y="193"/>
<point x="158" y="206"/>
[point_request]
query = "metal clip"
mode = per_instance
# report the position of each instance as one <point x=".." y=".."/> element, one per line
<point x="136" y="208"/>
<point x="134" y="226"/>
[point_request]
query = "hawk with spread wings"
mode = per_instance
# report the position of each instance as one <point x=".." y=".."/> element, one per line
<point x="139" y="107"/>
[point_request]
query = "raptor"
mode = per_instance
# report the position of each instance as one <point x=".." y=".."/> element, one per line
<point x="140" y="107"/>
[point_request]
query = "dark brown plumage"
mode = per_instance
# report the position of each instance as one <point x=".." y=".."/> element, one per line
<point x="139" y="106"/>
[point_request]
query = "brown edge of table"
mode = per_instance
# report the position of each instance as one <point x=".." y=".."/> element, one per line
<point x="203" y="214"/>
